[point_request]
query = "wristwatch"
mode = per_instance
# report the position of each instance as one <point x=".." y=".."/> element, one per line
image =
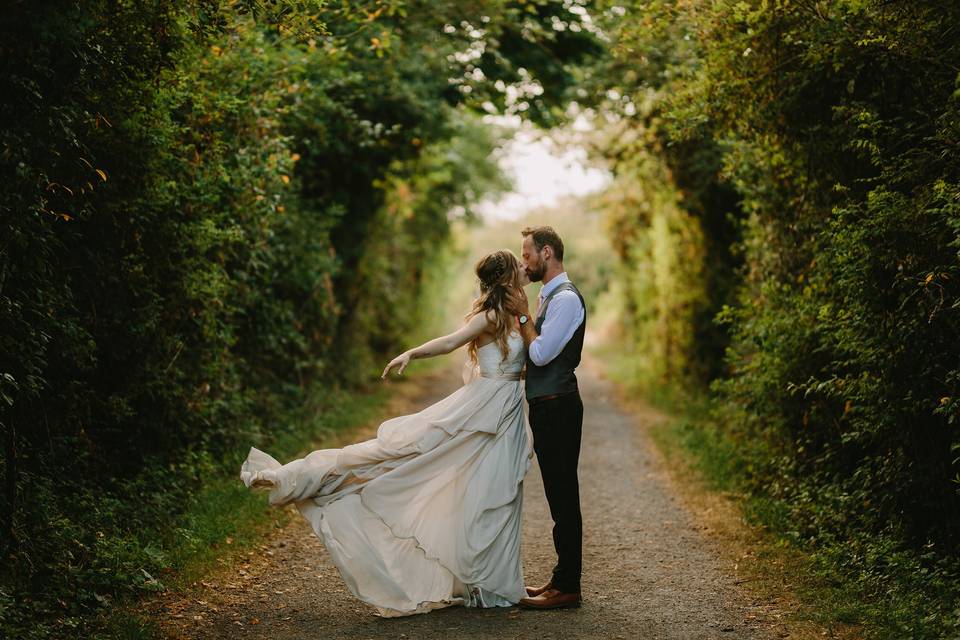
<point x="523" y="319"/>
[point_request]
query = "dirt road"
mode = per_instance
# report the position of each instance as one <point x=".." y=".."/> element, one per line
<point x="649" y="570"/>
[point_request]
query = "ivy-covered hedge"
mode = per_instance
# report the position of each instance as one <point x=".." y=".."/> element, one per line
<point x="803" y="156"/>
<point x="207" y="211"/>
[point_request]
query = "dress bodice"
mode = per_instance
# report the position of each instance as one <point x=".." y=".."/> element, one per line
<point x="492" y="364"/>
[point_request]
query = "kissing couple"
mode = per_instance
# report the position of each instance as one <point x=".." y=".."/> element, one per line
<point x="428" y="514"/>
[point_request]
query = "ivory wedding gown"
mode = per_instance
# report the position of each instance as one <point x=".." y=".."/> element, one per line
<point x="427" y="514"/>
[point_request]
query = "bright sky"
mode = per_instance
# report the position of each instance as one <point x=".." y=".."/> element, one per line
<point x="542" y="173"/>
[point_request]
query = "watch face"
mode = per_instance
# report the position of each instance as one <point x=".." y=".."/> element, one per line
<point x="523" y="319"/>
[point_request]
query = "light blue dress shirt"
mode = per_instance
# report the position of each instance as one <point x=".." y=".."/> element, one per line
<point x="564" y="315"/>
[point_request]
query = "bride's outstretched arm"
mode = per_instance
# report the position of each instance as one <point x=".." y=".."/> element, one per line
<point x="477" y="325"/>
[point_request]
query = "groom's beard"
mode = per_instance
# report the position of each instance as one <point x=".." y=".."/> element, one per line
<point x="536" y="275"/>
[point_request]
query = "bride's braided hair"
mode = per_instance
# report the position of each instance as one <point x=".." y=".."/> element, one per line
<point x="499" y="276"/>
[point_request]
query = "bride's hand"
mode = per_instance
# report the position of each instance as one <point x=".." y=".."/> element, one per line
<point x="400" y="362"/>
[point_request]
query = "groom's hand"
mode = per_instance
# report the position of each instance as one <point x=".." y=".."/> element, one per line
<point x="519" y="305"/>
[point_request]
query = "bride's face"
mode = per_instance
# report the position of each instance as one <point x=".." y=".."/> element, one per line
<point x="523" y="278"/>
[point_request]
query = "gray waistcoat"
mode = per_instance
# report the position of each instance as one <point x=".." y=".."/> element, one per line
<point x="557" y="376"/>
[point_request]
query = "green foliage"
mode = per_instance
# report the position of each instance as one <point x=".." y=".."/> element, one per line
<point x="672" y="216"/>
<point x="660" y="248"/>
<point x="209" y="212"/>
<point x="836" y="125"/>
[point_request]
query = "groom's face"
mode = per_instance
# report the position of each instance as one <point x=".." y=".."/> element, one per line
<point x="533" y="261"/>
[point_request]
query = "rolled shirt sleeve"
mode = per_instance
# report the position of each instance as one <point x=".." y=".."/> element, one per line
<point x="564" y="315"/>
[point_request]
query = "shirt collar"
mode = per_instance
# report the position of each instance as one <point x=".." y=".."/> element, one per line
<point x="559" y="279"/>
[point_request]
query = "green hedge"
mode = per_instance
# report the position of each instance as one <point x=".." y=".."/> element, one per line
<point x="833" y="272"/>
<point x="210" y="211"/>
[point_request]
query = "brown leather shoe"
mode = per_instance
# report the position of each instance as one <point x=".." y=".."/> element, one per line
<point x="551" y="599"/>
<point x="535" y="591"/>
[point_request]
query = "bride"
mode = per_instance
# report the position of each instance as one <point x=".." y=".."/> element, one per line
<point x="427" y="514"/>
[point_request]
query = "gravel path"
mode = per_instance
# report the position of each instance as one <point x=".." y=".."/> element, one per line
<point x="650" y="569"/>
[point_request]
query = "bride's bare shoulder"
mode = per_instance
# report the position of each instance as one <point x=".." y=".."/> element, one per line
<point x="485" y="319"/>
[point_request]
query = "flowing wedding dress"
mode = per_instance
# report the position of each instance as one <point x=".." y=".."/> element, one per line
<point x="427" y="514"/>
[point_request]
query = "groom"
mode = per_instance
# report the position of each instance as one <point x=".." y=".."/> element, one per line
<point x="554" y="341"/>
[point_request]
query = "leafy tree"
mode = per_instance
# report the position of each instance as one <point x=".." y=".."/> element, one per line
<point x="209" y="211"/>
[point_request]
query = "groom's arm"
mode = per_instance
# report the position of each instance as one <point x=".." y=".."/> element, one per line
<point x="528" y="331"/>
<point x="564" y="315"/>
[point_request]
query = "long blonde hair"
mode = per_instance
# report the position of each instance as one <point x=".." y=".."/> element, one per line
<point x="499" y="276"/>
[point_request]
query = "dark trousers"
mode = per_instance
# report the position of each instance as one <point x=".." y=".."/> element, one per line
<point x="557" y="424"/>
